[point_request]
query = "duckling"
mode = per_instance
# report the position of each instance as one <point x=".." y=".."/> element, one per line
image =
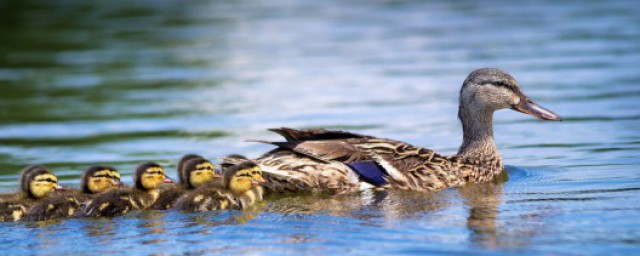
<point x="36" y="183"/>
<point x="193" y="173"/>
<point x="257" y="192"/>
<point x="233" y="192"/>
<point x="148" y="178"/>
<point x="96" y="179"/>
<point x="186" y="158"/>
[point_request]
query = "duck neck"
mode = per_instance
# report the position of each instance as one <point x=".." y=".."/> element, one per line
<point x="477" y="128"/>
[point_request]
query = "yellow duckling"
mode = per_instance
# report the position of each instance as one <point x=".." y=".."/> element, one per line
<point x="66" y="203"/>
<point x="186" y="158"/>
<point x="193" y="173"/>
<point x="238" y="190"/>
<point x="148" y="178"/>
<point x="36" y="183"/>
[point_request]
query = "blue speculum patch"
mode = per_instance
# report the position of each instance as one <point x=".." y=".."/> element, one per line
<point x="370" y="172"/>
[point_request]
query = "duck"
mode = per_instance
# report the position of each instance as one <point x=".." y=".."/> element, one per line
<point x="183" y="160"/>
<point x="148" y="178"/>
<point x="192" y="173"/>
<point x="337" y="162"/>
<point x="36" y="182"/>
<point x="66" y="203"/>
<point x="238" y="190"/>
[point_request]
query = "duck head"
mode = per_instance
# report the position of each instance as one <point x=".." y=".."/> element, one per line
<point x="37" y="181"/>
<point x="100" y="178"/>
<point x="491" y="89"/>
<point x="485" y="91"/>
<point x="150" y="176"/>
<point x="180" y="168"/>
<point x="197" y="172"/>
<point x="240" y="178"/>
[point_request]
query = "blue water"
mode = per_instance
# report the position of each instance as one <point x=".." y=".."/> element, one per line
<point x="121" y="82"/>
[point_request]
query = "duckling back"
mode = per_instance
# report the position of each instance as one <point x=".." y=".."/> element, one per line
<point x="168" y="197"/>
<point x="13" y="211"/>
<point x="59" y="205"/>
<point x="119" y="202"/>
<point x="209" y="197"/>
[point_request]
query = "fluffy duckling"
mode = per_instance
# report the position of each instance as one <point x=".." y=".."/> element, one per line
<point x="95" y="180"/>
<point x="236" y="191"/>
<point x="36" y="183"/>
<point x="186" y="158"/>
<point x="148" y="178"/>
<point x="193" y="173"/>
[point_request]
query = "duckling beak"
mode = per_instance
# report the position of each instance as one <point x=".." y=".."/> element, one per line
<point x="258" y="181"/>
<point x="169" y="180"/>
<point x="58" y="187"/>
<point x="527" y="106"/>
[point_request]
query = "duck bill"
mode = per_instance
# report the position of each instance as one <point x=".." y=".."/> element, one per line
<point x="529" y="107"/>
<point x="258" y="181"/>
<point x="169" y="180"/>
<point x="58" y="187"/>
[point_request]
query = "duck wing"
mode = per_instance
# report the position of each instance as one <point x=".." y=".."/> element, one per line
<point x="291" y="134"/>
<point x="406" y="166"/>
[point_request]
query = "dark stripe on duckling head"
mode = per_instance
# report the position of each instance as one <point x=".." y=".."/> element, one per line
<point x="29" y="173"/>
<point x="182" y="162"/>
<point x="90" y="172"/>
<point x="137" y="178"/>
<point x="191" y="166"/>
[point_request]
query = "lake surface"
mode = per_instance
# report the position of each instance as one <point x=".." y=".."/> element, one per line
<point x="121" y="82"/>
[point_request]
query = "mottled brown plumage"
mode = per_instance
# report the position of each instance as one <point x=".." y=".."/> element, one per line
<point x="315" y="160"/>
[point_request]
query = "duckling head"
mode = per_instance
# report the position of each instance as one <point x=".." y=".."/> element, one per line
<point x="37" y="181"/>
<point x="197" y="172"/>
<point x="150" y="176"/>
<point x="491" y="89"/>
<point x="240" y="178"/>
<point x="183" y="161"/>
<point x="100" y="178"/>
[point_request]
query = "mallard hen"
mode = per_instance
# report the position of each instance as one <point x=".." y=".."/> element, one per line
<point x="318" y="160"/>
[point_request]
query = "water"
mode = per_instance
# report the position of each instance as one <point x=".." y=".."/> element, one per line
<point x="121" y="82"/>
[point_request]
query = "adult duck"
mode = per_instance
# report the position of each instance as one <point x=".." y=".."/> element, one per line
<point x="318" y="160"/>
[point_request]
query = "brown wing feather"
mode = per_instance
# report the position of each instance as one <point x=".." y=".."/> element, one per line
<point x="326" y="150"/>
<point x="314" y="134"/>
